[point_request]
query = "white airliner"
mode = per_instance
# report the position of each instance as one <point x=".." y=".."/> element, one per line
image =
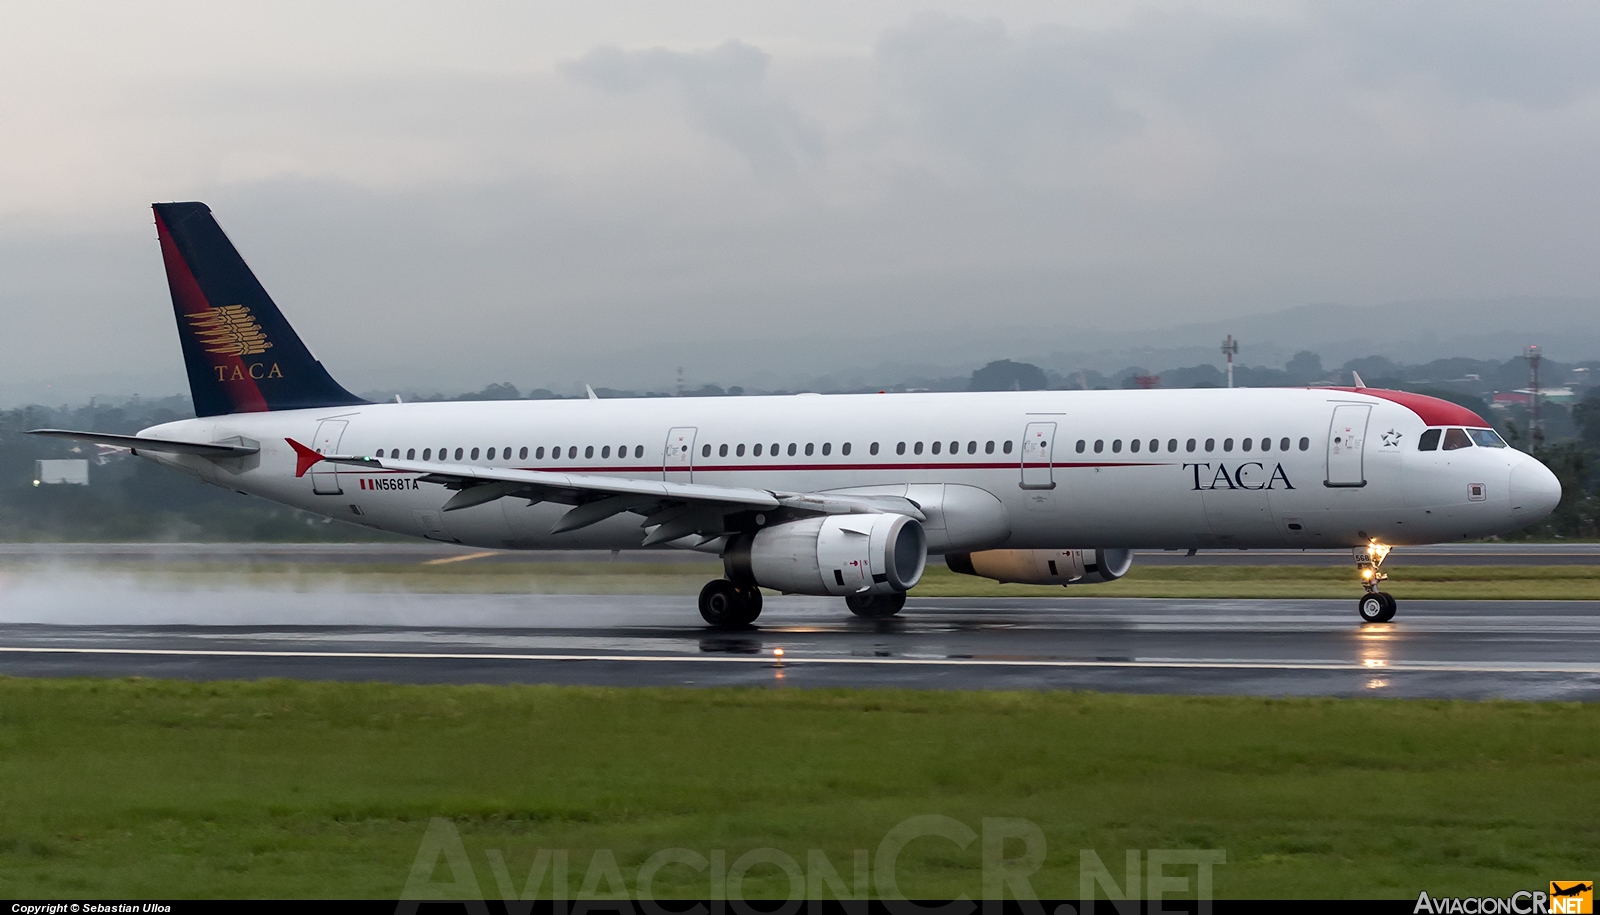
<point x="839" y="494"/>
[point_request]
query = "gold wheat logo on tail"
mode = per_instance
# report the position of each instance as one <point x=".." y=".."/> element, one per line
<point x="230" y="331"/>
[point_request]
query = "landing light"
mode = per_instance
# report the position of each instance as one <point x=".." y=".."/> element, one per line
<point x="777" y="652"/>
<point x="1377" y="552"/>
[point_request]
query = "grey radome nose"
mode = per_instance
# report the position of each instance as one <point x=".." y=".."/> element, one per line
<point x="1535" y="491"/>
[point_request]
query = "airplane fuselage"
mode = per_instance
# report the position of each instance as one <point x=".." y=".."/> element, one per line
<point x="1240" y="468"/>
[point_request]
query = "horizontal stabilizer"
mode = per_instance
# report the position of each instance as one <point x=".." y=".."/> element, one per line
<point x="165" y="446"/>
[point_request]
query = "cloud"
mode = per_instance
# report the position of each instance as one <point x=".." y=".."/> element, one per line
<point x="1536" y="55"/>
<point x="725" y="93"/>
<point x="738" y="201"/>
<point x="978" y="87"/>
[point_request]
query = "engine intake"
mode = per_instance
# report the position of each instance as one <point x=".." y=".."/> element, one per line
<point x="833" y="554"/>
<point x="1043" y="567"/>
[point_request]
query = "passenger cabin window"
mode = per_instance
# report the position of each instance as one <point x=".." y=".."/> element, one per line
<point x="1172" y="445"/>
<point x="538" y="453"/>
<point x="827" y="448"/>
<point x="1266" y="444"/>
<point x="638" y="451"/>
<point x="1099" y="445"/>
<point x="1429" y="440"/>
<point x="937" y="446"/>
<point x="1007" y="446"/>
<point x="1189" y="446"/>
<point x="722" y="451"/>
<point x="705" y="450"/>
<point x="872" y="448"/>
<point x="1486" y="438"/>
<point x="1456" y="438"/>
<point x="523" y="454"/>
<point x="972" y="447"/>
<point x="988" y="447"/>
<point x="1081" y="445"/>
<point x="572" y="451"/>
<point x="917" y="448"/>
<point x="809" y="449"/>
<point x="1305" y="443"/>
<point x="1283" y="444"/>
<point x="844" y="449"/>
<point x="427" y="454"/>
<point x="756" y="450"/>
<point x="739" y="451"/>
<point x="588" y="451"/>
<point x="1247" y="444"/>
<point x="1155" y="444"/>
<point x="1211" y="444"/>
<point x="955" y="447"/>
<point x="1134" y="446"/>
<point x="606" y="451"/>
<point x="900" y="448"/>
<point x="1227" y="444"/>
<point x="458" y="453"/>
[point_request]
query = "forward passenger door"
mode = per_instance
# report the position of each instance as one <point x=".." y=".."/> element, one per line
<point x="1347" y="436"/>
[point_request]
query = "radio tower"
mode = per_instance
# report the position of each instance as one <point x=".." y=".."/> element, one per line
<point x="1535" y="419"/>
<point x="1229" y="347"/>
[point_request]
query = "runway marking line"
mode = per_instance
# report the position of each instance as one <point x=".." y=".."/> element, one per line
<point x="789" y="661"/>
<point x="449" y="559"/>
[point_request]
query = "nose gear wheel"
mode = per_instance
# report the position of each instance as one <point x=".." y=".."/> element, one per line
<point x="1375" y="606"/>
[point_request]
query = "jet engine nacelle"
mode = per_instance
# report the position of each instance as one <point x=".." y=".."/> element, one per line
<point x="833" y="554"/>
<point x="1044" y="567"/>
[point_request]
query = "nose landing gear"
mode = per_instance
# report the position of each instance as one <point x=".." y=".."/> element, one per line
<point x="1375" y="606"/>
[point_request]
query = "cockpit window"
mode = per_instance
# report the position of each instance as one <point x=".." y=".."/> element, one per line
<point x="1486" y="438"/>
<point x="1429" y="440"/>
<point x="1456" y="438"/>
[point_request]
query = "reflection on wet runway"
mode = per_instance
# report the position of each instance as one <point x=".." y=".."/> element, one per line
<point x="104" y="625"/>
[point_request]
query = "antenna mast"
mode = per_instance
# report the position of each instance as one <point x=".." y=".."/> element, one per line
<point x="1536" y="419"/>
<point x="1229" y="347"/>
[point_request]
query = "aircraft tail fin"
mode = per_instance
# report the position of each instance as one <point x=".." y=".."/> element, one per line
<point x="241" y="353"/>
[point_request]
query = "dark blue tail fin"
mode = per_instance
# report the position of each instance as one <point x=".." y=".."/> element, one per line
<point x="242" y="356"/>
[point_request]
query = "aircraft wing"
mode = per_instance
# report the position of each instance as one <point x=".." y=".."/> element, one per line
<point x="166" y="446"/>
<point x="674" y="510"/>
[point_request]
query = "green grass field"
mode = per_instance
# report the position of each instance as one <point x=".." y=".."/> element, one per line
<point x="1563" y="582"/>
<point x="294" y="789"/>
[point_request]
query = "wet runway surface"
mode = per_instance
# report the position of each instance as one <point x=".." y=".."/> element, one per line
<point x="143" y="554"/>
<point x="1446" y="649"/>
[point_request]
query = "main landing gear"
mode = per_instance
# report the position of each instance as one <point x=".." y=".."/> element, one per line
<point x="727" y="605"/>
<point x="875" y="606"/>
<point x="1375" y="606"/>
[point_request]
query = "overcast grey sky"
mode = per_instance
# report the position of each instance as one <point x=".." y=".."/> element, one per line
<point x="450" y="194"/>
